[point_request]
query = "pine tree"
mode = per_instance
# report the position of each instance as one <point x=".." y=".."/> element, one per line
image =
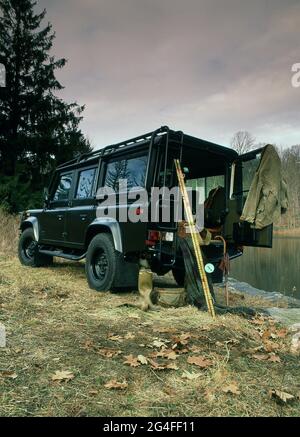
<point x="37" y="129"/>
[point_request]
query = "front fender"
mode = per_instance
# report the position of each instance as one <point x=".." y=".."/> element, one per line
<point x="31" y="222"/>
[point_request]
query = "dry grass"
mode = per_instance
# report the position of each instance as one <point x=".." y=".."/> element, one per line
<point x="54" y="322"/>
<point x="9" y="231"/>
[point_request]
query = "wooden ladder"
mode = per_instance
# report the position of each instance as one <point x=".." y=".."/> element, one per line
<point x="196" y="238"/>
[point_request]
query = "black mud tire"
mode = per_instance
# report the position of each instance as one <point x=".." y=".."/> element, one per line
<point x="28" y="251"/>
<point x="179" y="275"/>
<point x="102" y="265"/>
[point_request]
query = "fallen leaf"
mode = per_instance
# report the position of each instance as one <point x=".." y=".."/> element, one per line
<point x="129" y="336"/>
<point x="114" y="384"/>
<point x="261" y="357"/>
<point x="190" y="375"/>
<point x="253" y="350"/>
<point x="169" y="354"/>
<point x="270" y="346"/>
<point x="113" y="337"/>
<point x="88" y="345"/>
<point x="195" y="349"/>
<point x="209" y="395"/>
<point x="156" y="366"/>
<point x="282" y="333"/>
<point x="281" y="396"/>
<point x="232" y="341"/>
<point x="63" y="375"/>
<point x="142" y="359"/>
<point x="163" y="330"/>
<point x="274" y="358"/>
<point x="199" y="361"/>
<point x="171" y="366"/>
<point x="170" y="391"/>
<point x="134" y="316"/>
<point x="159" y="343"/>
<point x="108" y="353"/>
<point x="181" y="341"/>
<point x="232" y="388"/>
<point x="257" y="321"/>
<point x="93" y="392"/>
<point x="266" y="334"/>
<point x="8" y="374"/>
<point x="132" y="361"/>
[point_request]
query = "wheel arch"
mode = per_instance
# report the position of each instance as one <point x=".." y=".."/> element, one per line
<point x="31" y="222"/>
<point x="109" y="226"/>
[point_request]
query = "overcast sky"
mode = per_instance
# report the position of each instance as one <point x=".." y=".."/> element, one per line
<point x="208" y="67"/>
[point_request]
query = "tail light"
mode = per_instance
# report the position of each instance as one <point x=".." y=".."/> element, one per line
<point x="153" y="237"/>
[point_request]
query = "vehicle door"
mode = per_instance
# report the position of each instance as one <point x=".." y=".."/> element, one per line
<point x="82" y="209"/>
<point x="53" y="218"/>
<point x="164" y="208"/>
<point x="124" y="176"/>
<point x="242" y="174"/>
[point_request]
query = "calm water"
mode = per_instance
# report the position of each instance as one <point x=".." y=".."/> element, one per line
<point x="276" y="269"/>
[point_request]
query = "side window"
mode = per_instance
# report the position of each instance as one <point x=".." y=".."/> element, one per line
<point x="207" y="184"/>
<point x="63" y="187"/>
<point x="249" y="169"/>
<point x="133" y="170"/>
<point x="213" y="182"/>
<point x="242" y="176"/>
<point x="85" y="183"/>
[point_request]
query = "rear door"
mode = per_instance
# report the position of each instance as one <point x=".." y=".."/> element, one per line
<point x="243" y="172"/>
<point x="82" y="210"/>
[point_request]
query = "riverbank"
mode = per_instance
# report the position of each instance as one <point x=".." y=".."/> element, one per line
<point x="287" y="232"/>
<point x="284" y="309"/>
<point x="270" y="298"/>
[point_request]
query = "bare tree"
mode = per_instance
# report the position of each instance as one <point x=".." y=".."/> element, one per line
<point x="290" y="158"/>
<point x="242" y="142"/>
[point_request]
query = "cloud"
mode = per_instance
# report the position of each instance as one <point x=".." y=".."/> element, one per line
<point x="208" y="67"/>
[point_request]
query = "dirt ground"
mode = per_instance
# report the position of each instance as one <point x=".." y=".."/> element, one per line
<point x="74" y="352"/>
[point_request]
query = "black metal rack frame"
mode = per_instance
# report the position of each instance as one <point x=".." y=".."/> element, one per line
<point x="123" y="145"/>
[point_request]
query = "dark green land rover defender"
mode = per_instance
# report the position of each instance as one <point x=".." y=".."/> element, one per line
<point x="74" y="224"/>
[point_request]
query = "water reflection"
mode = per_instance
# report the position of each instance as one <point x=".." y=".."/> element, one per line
<point x="276" y="269"/>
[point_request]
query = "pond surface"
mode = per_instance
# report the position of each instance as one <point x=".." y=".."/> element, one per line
<point x="276" y="269"/>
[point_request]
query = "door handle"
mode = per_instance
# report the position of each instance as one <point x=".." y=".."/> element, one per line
<point x="60" y="217"/>
<point x="83" y="217"/>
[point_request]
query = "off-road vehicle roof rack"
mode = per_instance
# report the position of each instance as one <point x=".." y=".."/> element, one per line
<point x="150" y="136"/>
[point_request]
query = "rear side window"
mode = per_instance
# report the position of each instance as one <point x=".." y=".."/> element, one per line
<point x="63" y="187"/>
<point x="85" y="183"/>
<point x="133" y="170"/>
